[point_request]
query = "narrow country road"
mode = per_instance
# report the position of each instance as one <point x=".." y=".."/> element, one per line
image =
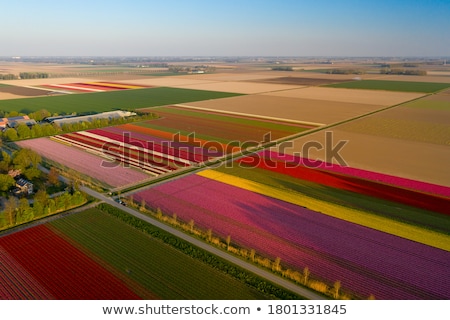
<point x="205" y="246"/>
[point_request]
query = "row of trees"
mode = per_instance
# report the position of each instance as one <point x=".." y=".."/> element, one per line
<point x="18" y="211"/>
<point x="187" y="69"/>
<point x="24" y="75"/>
<point x="409" y="72"/>
<point x="33" y="75"/>
<point x="8" y="76"/>
<point x="234" y="271"/>
<point x="43" y="129"/>
<point x="282" y="68"/>
<point x="304" y="277"/>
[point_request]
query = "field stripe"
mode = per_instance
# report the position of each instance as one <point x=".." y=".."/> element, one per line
<point x="251" y="115"/>
<point x="403" y="230"/>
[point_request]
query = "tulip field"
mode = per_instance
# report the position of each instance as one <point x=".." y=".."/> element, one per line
<point x="178" y="138"/>
<point x="328" y="225"/>
<point x="93" y="86"/>
<point x="92" y="255"/>
<point x="106" y="171"/>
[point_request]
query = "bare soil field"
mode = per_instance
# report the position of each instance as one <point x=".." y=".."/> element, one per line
<point x="444" y="93"/>
<point x="174" y="81"/>
<point x="239" y="87"/>
<point x="300" y="81"/>
<point x="18" y="67"/>
<point x="39" y="82"/>
<point x="404" y="158"/>
<point x="439" y="73"/>
<point x="7" y="96"/>
<point x="442" y="96"/>
<point x="229" y="76"/>
<point x="359" y="96"/>
<point x="414" y="124"/>
<point x="22" y="91"/>
<point x="317" y="111"/>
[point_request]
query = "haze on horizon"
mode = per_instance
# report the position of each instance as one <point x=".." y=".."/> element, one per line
<point x="225" y="28"/>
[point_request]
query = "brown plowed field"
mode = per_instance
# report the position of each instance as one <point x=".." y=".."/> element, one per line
<point x="301" y="81"/>
<point x="239" y="87"/>
<point x="175" y="81"/>
<point x="421" y="161"/>
<point x="349" y="95"/>
<point x="216" y="128"/>
<point x="38" y="82"/>
<point x="322" y="112"/>
<point x="406" y="126"/>
<point x="229" y="76"/>
<point x="22" y="91"/>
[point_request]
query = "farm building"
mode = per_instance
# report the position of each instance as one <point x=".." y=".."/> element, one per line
<point x="87" y="118"/>
<point x="4" y="122"/>
<point x="15" y="123"/>
<point x="23" y="186"/>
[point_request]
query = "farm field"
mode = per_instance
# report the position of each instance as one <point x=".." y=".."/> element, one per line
<point x="170" y="81"/>
<point x="421" y="121"/>
<point x="92" y="255"/>
<point x="428" y="78"/>
<point x="358" y="96"/>
<point x="390" y="85"/>
<point x="107" y="101"/>
<point x="239" y="87"/>
<point x="12" y="92"/>
<point x="179" y="138"/>
<point x="98" y="86"/>
<point x="110" y="173"/>
<point x="57" y="268"/>
<point x="261" y="210"/>
<point x="380" y="226"/>
<point x="387" y="155"/>
<point x="288" y="108"/>
<point x="296" y="80"/>
<point x="440" y="101"/>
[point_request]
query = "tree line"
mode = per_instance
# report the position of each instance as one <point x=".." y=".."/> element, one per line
<point x="236" y="272"/>
<point x="18" y="211"/>
<point x="44" y="129"/>
<point x="302" y="277"/>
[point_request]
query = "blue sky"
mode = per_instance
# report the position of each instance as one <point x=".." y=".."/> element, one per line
<point x="225" y="28"/>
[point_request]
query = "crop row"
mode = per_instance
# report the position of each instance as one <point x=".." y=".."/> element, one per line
<point x="359" y="173"/>
<point x="152" y="162"/>
<point x="64" y="270"/>
<point x="92" y="165"/>
<point x="350" y="214"/>
<point x="93" y="86"/>
<point x="155" y="267"/>
<point x="16" y="282"/>
<point x="364" y="260"/>
<point x="298" y="168"/>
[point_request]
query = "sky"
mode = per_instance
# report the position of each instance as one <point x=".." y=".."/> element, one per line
<point x="225" y="28"/>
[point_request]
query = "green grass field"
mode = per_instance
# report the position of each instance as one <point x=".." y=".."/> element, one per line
<point x="106" y="101"/>
<point x="154" y="265"/>
<point x="404" y="86"/>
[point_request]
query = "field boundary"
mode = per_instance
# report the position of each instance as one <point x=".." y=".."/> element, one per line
<point x="251" y="115"/>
